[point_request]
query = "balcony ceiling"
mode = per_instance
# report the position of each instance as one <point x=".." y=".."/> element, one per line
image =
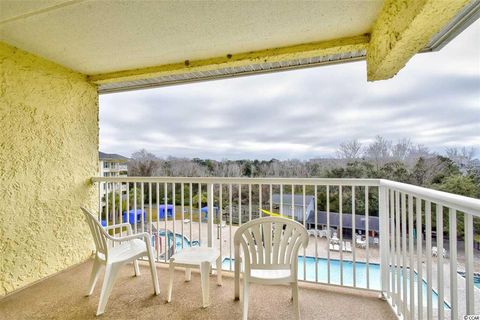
<point x="105" y="38"/>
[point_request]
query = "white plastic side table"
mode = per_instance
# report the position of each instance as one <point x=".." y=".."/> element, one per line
<point x="196" y="257"/>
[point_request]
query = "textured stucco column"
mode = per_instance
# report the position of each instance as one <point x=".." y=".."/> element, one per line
<point x="48" y="152"/>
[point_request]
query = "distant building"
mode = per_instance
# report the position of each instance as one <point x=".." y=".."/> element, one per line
<point x="112" y="165"/>
<point x="347" y="225"/>
<point x="285" y="206"/>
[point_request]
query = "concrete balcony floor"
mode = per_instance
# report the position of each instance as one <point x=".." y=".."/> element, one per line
<point x="62" y="297"/>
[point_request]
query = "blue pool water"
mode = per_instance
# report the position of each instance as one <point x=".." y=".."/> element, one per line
<point x="361" y="275"/>
<point x="476" y="278"/>
<point x="178" y="240"/>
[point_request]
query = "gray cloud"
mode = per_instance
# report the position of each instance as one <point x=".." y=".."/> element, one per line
<point x="434" y="100"/>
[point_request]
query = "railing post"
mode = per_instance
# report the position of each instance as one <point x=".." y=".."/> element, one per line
<point x="211" y="213"/>
<point x="384" y="234"/>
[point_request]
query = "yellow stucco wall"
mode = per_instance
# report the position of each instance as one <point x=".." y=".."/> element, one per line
<point x="48" y="152"/>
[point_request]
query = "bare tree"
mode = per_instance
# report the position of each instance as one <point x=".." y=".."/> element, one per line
<point x="401" y="149"/>
<point x="350" y="150"/>
<point x="143" y="163"/>
<point x="462" y="157"/>
<point x="379" y="151"/>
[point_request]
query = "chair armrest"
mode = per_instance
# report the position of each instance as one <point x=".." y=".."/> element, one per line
<point x="120" y="225"/>
<point x="142" y="236"/>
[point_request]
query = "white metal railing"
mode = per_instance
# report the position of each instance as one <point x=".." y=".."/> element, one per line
<point x="395" y="219"/>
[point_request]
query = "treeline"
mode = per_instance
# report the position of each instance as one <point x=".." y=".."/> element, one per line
<point x="457" y="171"/>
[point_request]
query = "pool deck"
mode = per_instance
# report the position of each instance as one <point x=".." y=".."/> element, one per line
<point x="62" y="297"/>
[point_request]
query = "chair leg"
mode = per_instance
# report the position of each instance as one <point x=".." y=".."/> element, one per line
<point x="296" y="307"/>
<point x="245" y="298"/>
<point x="111" y="272"/>
<point x="188" y="274"/>
<point x="170" y="281"/>
<point x="204" y="275"/>
<point x="136" y="268"/>
<point x="219" y="271"/>
<point x="97" y="266"/>
<point x="153" y="271"/>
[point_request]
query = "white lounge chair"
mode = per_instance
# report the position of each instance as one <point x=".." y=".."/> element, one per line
<point x="435" y="252"/>
<point x="270" y="255"/>
<point x="322" y="233"/>
<point x="128" y="248"/>
<point x="360" y="242"/>
<point x="348" y="246"/>
<point x="334" y="247"/>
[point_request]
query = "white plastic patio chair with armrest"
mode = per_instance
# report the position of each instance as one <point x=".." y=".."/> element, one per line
<point x="270" y="255"/>
<point x="128" y="248"/>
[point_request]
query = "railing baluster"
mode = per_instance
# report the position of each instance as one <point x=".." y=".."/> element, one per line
<point x="393" y="291"/>
<point x="134" y="207"/>
<point x="239" y="205"/>
<point x="220" y="219"/>
<point x="271" y="202"/>
<point x="260" y="189"/>
<point x="199" y="194"/>
<point x="367" y="244"/>
<point x="428" y="254"/>
<point x="398" y="252"/>
<point x="150" y="226"/>
<point x="210" y="214"/>
<point x="127" y="209"/>
<point x="174" y="237"/>
<point x="340" y="233"/>
<point x="354" y="240"/>
<point x="190" y="203"/>
<point x="230" y="216"/>
<point x="157" y="232"/>
<point x="316" y="237"/>
<point x="453" y="264"/>
<point x="441" y="294"/>
<point x="305" y="226"/>
<point x="165" y="211"/>
<point x="114" y="222"/>
<point x="419" y="258"/>
<point x="182" y="207"/>
<point x="292" y="209"/>
<point x="404" y="255"/>
<point x="281" y="199"/>
<point x="120" y="205"/>
<point x="383" y="240"/>
<point x="107" y="194"/>
<point x="469" y="269"/>
<point x="411" y="251"/>
<point x="142" y="206"/>
<point x="329" y="236"/>
<point x="249" y="202"/>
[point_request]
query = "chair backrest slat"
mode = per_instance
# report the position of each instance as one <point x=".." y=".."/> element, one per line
<point x="264" y="248"/>
<point x="276" y="242"/>
<point x="98" y="233"/>
<point x="267" y="236"/>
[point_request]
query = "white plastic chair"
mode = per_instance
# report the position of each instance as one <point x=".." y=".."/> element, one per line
<point x="128" y="248"/>
<point x="270" y="249"/>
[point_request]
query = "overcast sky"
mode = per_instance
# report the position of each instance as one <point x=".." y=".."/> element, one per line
<point x="303" y="114"/>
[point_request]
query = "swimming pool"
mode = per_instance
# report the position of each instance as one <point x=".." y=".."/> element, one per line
<point x="476" y="278"/>
<point x="178" y="240"/>
<point x="361" y="275"/>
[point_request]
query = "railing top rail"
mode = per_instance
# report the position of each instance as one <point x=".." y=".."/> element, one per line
<point x="455" y="201"/>
<point x="226" y="180"/>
